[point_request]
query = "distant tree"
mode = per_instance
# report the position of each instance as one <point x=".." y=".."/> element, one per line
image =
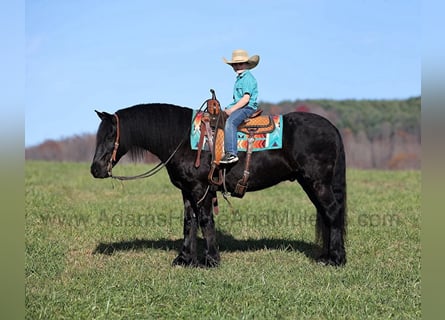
<point x="382" y="134"/>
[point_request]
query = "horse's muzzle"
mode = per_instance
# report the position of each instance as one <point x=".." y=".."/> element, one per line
<point x="99" y="171"/>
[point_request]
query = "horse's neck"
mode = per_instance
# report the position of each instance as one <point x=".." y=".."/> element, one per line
<point x="164" y="129"/>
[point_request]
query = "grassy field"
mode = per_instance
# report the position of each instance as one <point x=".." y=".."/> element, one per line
<point x="98" y="249"/>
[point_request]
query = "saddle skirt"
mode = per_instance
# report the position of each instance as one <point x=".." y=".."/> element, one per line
<point x="258" y="125"/>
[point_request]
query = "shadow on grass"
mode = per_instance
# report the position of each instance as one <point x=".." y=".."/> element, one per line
<point x="226" y="242"/>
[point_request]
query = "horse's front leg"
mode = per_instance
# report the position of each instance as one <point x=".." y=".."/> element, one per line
<point x="188" y="254"/>
<point x="207" y="224"/>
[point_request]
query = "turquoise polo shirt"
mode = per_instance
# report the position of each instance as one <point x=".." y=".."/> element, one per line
<point x="245" y="83"/>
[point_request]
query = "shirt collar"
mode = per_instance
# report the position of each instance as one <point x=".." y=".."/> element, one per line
<point x="239" y="76"/>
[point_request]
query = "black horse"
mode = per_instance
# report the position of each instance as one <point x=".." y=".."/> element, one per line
<point x="312" y="153"/>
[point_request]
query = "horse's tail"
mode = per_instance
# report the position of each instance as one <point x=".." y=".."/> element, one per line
<point x="340" y="194"/>
<point x="339" y="184"/>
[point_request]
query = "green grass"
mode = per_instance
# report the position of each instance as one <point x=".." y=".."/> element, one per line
<point x="266" y="242"/>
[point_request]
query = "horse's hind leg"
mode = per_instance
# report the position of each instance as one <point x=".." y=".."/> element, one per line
<point x="330" y="225"/>
<point x="188" y="254"/>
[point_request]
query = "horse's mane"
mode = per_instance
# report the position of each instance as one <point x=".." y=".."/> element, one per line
<point x="141" y="123"/>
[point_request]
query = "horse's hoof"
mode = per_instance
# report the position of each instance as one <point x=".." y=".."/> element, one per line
<point x="211" y="262"/>
<point x="184" y="262"/>
<point x="331" y="260"/>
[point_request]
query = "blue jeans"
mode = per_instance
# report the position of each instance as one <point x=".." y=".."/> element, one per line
<point x="230" y="130"/>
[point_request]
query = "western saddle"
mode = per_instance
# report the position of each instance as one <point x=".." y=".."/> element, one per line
<point x="212" y="128"/>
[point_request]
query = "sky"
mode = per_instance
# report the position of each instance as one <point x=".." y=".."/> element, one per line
<point x="106" y="55"/>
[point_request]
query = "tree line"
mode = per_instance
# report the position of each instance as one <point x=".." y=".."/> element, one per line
<point x="379" y="134"/>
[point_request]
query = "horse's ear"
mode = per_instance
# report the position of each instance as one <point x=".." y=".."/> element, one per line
<point x="104" y="115"/>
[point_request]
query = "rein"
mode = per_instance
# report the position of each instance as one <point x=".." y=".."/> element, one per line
<point x="152" y="171"/>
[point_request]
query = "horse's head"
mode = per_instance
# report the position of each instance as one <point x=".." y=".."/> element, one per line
<point x="107" y="152"/>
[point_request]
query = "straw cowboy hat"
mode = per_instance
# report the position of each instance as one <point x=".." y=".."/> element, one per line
<point x="240" y="56"/>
